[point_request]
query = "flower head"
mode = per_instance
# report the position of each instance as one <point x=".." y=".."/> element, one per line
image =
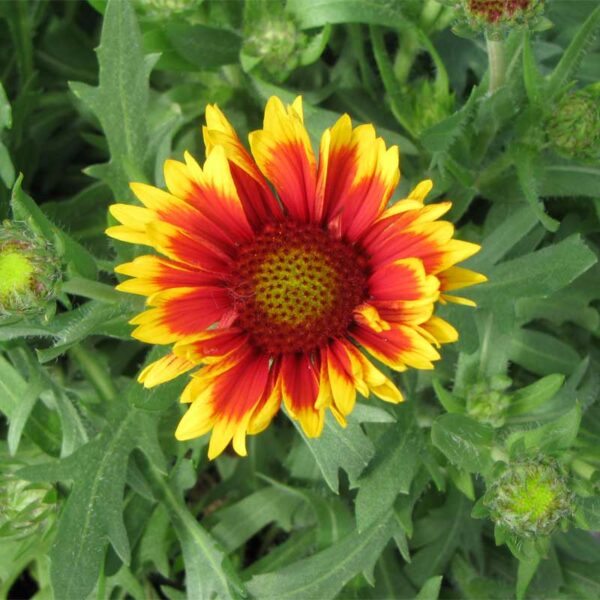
<point x="530" y="498"/>
<point x="282" y="295"/>
<point x="29" y="270"/>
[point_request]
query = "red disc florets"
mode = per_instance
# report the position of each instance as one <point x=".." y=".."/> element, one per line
<point x="494" y="11"/>
<point x="295" y="287"/>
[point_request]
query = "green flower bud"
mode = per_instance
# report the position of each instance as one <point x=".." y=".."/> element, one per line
<point x="574" y="126"/>
<point x="29" y="271"/>
<point x="530" y="498"/>
<point x="275" y="43"/>
<point x="25" y="508"/>
<point x="487" y="401"/>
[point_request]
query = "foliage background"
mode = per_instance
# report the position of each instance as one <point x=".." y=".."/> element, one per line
<point x="97" y="94"/>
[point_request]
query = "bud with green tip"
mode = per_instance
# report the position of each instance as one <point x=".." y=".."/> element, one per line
<point x="573" y="128"/>
<point x="487" y="402"/>
<point x="530" y="498"/>
<point x="29" y="271"/>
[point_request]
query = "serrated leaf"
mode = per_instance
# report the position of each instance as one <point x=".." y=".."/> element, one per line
<point x="527" y="172"/>
<point x="390" y="472"/>
<point x="566" y="67"/>
<point x="121" y="99"/>
<point x="338" y="448"/>
<point x="531" y="75"/>
<point x="324" y="574"/>
<point x="537" y="274"/>
<point x="92" y="514"/>
<point x="448" y="524"/>
<point x="463" y="441"/>
<point x="208" y="572"/>
<point x="441" y="136"/>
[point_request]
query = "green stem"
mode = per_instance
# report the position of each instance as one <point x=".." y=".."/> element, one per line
<point x="497" y="61"/>
<point x="94" y="372"/>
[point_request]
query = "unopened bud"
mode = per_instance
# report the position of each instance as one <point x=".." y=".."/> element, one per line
<point x="277" y="43"/>
<point x="530" y="498"/>
<point x="574" y="126"/>
<point x="29" y="271"/>
<point x="487" y="401"/>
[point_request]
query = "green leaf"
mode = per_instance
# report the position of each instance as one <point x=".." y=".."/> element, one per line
<point x="503" y="238"/>
<point x="569" y="62"/>
<point x="208" y="572"/>
<point x="554" y="436"/>
<point x="430" y="589"/>
<point x="443" y="528"/>
<point x="203" y="46"/>
<point x="537" y="274"/>
<point x="441" y="136"/>
<point x="530" y="397"/>
<point x="465" y="442"/>
<point x="80" y="323"/>
<point x="268" y="505"/>
<point x="390" y="472"/>
<point x="525" y="573"/>
<point x="325" y="573"/>
<point x="317" y="13"/>
<point x="93" y="512"/>
<point x="568" y="180"/>
<point x="542" y="353"/>
<point x="339" y="448"/>
<point x="587" y="513"/>
<point x="582" y="579"/>
<point x="452" y="403"/>
<point x="5" y="110"/>
<point x="527" y="172"/>
<point x="121" y="99"/>
<point x="531" y="75"/>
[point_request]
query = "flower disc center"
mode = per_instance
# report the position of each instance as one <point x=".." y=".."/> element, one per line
<point x="15" y="272"/>
<point x="295" y="287"/>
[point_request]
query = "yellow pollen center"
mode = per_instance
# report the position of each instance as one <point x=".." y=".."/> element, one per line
<point x="295" y="287"/>
<point x="15" y="273"/>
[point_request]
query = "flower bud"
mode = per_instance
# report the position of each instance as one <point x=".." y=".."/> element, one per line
<point x="574" y="127"/>
<point x="29" y="271"/>
<point x="487" y="402"/>
<point x="275" y="43"/>
<point x="495" y="15"/>
<point x="530" y="498"/>
<point x="25" y="508"/>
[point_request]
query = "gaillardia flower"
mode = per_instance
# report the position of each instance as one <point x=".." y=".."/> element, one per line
<point x="280" y="275"/>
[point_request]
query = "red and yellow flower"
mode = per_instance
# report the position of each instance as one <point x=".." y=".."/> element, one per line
<point x="280" y="275"/>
